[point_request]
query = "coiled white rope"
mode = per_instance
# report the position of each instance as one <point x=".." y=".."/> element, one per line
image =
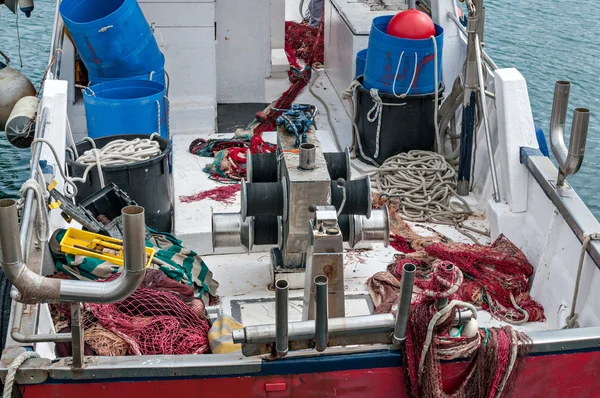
<point x="12" y="371"/>
<point x="117" y="152"/>
<point x="423" y="182"/>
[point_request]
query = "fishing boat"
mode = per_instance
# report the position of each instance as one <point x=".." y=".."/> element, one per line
<point x="463" y="263"/>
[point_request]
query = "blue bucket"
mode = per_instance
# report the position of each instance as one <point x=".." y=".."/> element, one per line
<point x="361" y="61"/>
<point x="158" y="76"/>
<point x="112" y="37"/>
<point x="125" y="107"/>
<point x="384" y="55"/>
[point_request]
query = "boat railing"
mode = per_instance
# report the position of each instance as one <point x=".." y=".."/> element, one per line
<point x="462" y="29"/>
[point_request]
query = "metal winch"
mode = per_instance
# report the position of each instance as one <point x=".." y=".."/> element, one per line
<point x="303" y="202"/>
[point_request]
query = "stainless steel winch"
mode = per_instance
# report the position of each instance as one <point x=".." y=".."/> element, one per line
<point x="303" y="202"/>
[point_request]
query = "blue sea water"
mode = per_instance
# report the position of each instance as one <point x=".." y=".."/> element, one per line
<point x="546" y="40"/>
<point x="35" y="35"/>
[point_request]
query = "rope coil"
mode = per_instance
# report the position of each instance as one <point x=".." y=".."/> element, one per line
<point x="423" y="182"/>
<point x="118" y="152"/>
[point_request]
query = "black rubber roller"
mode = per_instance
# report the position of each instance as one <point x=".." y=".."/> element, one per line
<point x="338" y="164"/>
<point x="266" y="230"/>
<point x="344" y="224"/>
<point x="262" y="167"/>
<point x="358" y="196"/>
<point x="262" y="199"/>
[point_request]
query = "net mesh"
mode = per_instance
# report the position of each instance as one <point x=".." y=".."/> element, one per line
<point x="495" y="276"/>
<point x="492" y="352"/>
<point x="306" y="43"/>
<point x="152" y="321"/>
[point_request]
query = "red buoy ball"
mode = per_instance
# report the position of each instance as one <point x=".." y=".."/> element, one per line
<point x="411" y="24"/>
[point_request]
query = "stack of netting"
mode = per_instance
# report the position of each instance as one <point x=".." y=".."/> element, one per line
<point x="161" y="317"/>
<point x="493" y="352"/>
<point x="304" y="42"/>
<point x="472" y="277"/>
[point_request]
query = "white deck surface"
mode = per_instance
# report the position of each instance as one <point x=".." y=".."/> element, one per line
<point x="246" y="279"/>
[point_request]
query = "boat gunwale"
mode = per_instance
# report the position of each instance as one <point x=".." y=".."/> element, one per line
<point x="99" y="368"/>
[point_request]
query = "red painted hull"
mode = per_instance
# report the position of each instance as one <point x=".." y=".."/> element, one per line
<point x="548" y="376"/>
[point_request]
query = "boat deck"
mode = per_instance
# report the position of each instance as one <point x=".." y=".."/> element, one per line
<point x="246" y="280"/>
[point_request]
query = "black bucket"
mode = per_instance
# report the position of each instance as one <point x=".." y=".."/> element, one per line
<point x="147" y="183"/>
<point x="403" y="128"/>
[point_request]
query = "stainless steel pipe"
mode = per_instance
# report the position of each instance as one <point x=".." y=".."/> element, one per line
<point x="558" y="118"/>
<point x="281" y="317"/>
<point x="134" y="253"/>
<point x="337" y="328"/>
<point x="308" y="153"/>
<point x="34" y="288"/>
<point x="569" y="161"/>
<point x="579" y="130"/>
<point x="19" y="337"/>
<point x="486" y="123"/>
<point x="305" y="330"/>
<point x="404" y="302"/>
<point x="322" y="313"/>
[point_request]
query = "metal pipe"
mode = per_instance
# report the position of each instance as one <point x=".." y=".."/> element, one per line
<point x="486" y="123"/>
<point x="28" y="205"/>
<point x="134" y="253"/>
<point x="558" y="118"/>
<point x="322" y="315"/>
<point x="77" y="344"/>
<point x="462" y="29"/>
<point x="34" y="288"/>
<point x="579" y="130"/>
<point x="404" y="302"/>
<point x="569" y="161"/>
<point x="305" y="330"/>
<point x="17" y="336"/>
<point x="307" y="156"/>
<point x="281" y="317"/>
<point x="412" y="4"/>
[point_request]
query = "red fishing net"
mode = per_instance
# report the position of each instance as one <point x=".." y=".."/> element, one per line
<point x="230" y="155"/>
<point x="159" y="318"/>
<point x="306" y="43"/>
<point x="495" y="276"/>
<point x="303" y="42"/>
<point x="432" y="337"/>
<point x="224" y="194"/>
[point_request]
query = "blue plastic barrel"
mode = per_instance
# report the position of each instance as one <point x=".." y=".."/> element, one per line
<point x="125" y="107"/>
<point x="384" y="55"/>
<point x="361" y="61"/>
<point x="112" y="37"/>
<point x="158" y="76"/>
